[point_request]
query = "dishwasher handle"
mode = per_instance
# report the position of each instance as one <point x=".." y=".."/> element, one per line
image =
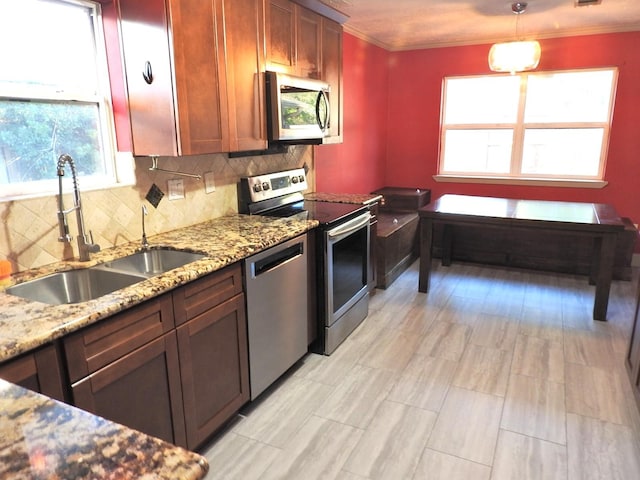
<point x="276" y="259"/>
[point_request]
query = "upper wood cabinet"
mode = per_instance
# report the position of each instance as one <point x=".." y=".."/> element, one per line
<point x="332" y="74"/>
<point x="195" y="70"/>
<point x="309" y="44"/>
<point x="245" y="55"/>
<point x="304" y="43"/>
<point x="175" y="76"/>
<point x="281" y="35"/>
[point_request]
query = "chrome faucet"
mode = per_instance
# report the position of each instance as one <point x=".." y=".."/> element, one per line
<point x="84" y="247"/>
<point x="145" y="242"/>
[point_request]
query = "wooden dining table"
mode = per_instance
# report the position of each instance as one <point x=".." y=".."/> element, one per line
<point x="597" y="221"/>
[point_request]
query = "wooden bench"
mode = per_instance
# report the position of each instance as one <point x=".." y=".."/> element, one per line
<point x="397" y="243"/>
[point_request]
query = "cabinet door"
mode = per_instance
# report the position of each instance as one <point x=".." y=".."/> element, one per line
<point x="140" y="390"/>
<point x="633" y="354"/>
<point x="39" y="371"/>
<point x="214" y="368"/>
<point x="332" y="74"/>
<point x="308" y="41"/>
<point x="244" y="34"/>
<point x="281" y="36"/>
<point x="197" y="29"/>
<point x="147" y="61"/>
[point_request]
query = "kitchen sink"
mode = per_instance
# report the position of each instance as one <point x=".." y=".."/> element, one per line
<point x="152" y="262"/>
<point x="74" y="286"/>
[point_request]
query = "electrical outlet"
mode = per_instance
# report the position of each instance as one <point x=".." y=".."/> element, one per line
<point x="176" y="189"/>
<point x="209" y="183"/>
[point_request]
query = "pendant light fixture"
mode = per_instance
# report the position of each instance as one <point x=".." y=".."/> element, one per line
<point x="517" y="56"/>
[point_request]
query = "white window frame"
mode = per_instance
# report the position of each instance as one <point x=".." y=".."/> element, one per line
<point x="119" y="167"/>
<point x="515" y="177"/>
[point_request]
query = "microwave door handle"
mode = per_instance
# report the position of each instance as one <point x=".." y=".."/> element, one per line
<point x="324" y="125"/>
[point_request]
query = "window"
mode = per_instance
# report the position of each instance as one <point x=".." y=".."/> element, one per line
<point x="547" y="125"/>
<point x="54" y="95"/>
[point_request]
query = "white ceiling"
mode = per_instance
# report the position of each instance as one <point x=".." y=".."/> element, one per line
<point x="412" y="24"/>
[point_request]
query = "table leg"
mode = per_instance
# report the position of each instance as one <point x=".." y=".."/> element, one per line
<point x="605" y="252"/>
<point x="447" y="240"/>
<point x="426" y="240"/>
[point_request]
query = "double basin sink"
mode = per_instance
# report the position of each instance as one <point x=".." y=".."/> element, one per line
<point x="75" y="286"/>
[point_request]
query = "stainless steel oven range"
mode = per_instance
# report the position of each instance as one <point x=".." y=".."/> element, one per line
<point x="342" y="249"/>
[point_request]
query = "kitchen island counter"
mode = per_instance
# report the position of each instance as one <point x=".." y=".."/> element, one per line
<point x="43" y="438"/>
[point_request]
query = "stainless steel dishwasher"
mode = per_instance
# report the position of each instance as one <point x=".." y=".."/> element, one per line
<point x="276" y="290"/>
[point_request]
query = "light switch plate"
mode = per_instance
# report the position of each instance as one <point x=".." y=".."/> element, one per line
<point x="176" y="189"/>
<point x="209" y="183"/>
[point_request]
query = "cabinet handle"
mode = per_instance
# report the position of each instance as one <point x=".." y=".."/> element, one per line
<point x="147" y="74"/>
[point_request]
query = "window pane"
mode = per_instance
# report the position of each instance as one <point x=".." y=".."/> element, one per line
<point x="58" y="41"/>
<point x="568" y="152"/>
<point x="482" y="100"/>
<point x="569" y="97"/>
<point x="34" y="134"/>
<point x="478" y="151"/>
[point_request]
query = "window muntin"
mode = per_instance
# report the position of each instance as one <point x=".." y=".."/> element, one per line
<point x="553" y="125"/>
<point x="54" y="95"/>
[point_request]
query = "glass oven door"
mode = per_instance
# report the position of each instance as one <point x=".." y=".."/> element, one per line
<point x="346" y="264"/>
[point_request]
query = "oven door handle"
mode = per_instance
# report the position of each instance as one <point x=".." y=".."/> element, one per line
<point x="349" y="227"/>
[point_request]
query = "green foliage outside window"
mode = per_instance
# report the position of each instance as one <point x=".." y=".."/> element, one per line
<point x="34" y="134"/>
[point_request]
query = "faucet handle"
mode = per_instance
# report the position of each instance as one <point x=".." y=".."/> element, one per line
<point x="93" y="247"/>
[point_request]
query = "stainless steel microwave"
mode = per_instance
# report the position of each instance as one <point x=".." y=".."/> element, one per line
<point x="297" y="108"/>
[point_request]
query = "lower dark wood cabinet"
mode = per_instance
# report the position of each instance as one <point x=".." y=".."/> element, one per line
<point x="213" y="367"/>
<point x="140" y="390"/>
<point x="39" y="371"/>
<point x="632" y="360"/>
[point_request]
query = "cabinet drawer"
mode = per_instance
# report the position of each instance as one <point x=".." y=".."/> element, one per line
<point x="114" y="337"/>
<point x="207" y="292"/>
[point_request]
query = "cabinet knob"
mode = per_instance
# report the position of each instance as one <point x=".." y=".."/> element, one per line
<point x="147" y="74"/>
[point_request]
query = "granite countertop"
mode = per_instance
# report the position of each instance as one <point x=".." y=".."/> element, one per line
<point x="26" y="325"/>
<point x="42" y="438"/>
<point x="357" y="198"/>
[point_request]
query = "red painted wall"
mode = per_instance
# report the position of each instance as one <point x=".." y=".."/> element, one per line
<point x="392" y="119"/>
<point x="358" y="164"/>
<point x="415" y="80"/>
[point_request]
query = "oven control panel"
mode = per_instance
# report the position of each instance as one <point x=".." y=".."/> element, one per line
<point x="272" y="185"/>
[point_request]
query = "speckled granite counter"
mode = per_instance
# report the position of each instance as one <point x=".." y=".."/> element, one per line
<point x="42" y="438"/>
<point x="357" y="198"/>
<point x="26" y="325"/>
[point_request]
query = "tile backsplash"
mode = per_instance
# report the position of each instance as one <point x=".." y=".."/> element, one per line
<point x="29" y="237"/>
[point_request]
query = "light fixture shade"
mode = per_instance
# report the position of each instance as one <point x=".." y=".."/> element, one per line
<point x="514" y="56"/>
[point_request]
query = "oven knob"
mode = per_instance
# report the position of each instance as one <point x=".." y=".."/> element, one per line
<point x="301" y="177"/>
<point x="294" y="180"/>
<point x="265" y="186"/>
<point x="257" y="187"/>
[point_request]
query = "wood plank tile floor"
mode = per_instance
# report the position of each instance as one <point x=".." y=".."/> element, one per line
<point x="494" y="374"/>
